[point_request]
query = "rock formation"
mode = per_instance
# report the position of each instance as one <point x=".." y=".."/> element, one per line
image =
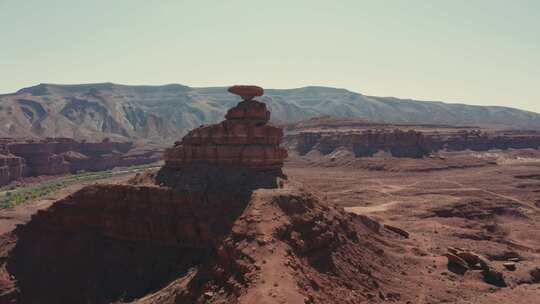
<point x="466" y="259"/>
<point x="480" y="140"/>
<point x="206" y="233"/>
<point x="365" y="139"/>
<point x="147" y="244"/>
<point x="55" y="156"/>
<point x="397" y="142"/>
<point x="243" y="141"/>
<point x="11" y="167"/>
<point x="247" y="92"/>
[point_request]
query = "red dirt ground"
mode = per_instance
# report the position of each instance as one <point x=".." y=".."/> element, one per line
<point x="491" y="208"/>
<point x="486" y="202"/>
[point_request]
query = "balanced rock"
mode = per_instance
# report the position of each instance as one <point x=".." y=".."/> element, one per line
<point x="247" y="92"/>
<point x="243" y="141"/>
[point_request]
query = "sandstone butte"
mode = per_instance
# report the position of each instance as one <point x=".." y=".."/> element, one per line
<point x="243" y="141"/>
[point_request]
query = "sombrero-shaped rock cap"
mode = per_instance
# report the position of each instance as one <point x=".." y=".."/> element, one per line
<point x="247" y="92"/>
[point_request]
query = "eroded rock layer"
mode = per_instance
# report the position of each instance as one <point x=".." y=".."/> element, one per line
<point x="54" y="156"/>
<point x="11" y="167"/>
<point x="242" y="151"/>
<point x="327" y="135"/>
<point x="148" y="244"/>
<point x="116" y="242"/>
<point x="397" y="142"/>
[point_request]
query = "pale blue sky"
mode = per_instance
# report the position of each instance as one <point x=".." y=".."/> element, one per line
<point x="477" y="51"/>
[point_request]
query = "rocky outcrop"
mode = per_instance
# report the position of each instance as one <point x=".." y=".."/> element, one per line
<point x="55" y="156"/>
<point x="479" y="140"/>
<point x="132" y="240"/>
<point x="120" y="243"/>
<point x="408" y="142"/>
<point x="396" y="142"/>
<point x="11" y="167"/>
<point x="244" y="142"/>
<point x="466" y="260"/>
<point x="40" y="157"/>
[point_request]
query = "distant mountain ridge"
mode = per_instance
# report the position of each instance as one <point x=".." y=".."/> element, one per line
<point x="164" y="113"/>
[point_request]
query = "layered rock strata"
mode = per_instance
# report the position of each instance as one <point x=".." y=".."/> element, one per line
<point x="55" y="156"/>
<point x="11" y="167"/>
<point x="412" y="143"/>
<point x="243" y="141"/>
<point x="148" y="244"/>
<point x="478" y="140"/>
<point x="114" y="243"/>
<point x="397" y="142"/>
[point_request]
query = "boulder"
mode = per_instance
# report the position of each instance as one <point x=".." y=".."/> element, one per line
<point x="510" y="266"/>
<point x="467" y="260"/>
<point x="494" y="277"/>
<point x="247" y="92"/>
<point x="456" y="260"/>
<point x="535" y="274"/>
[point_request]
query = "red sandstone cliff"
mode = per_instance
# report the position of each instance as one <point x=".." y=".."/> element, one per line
<point x="243" y="140"/>
<point x="366" y="139"/>
<point x="11" y="167"/>
<point x="55" y="156"/>
<point x="397" y="142"/>
<point x="242" y="152"/>
<point x="147" y="244"/>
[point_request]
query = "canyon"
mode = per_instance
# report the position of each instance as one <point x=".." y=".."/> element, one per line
<point x="328" y="135"/>
<point x="57" y="156"/>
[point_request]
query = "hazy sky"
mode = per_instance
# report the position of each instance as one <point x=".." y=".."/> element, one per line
<point x="470" y="51"/>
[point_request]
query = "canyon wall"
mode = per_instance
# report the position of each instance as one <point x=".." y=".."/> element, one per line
<point x="11" y="167"/>
<point x="411" y="143"/>
<point x="117" y="242"/>
<point x="397" y="142"/>
<point x="55" y="156"/>
<point x="478" y="140"/>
